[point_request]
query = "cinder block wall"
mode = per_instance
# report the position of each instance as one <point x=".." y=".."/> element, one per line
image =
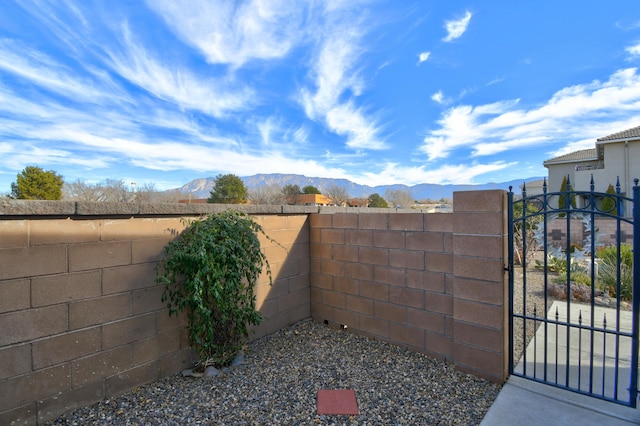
<point x="480" y="284"/>
<point x="606" y="229"/>
<point x="81" y="316"/>
<point x="432" y="282"/>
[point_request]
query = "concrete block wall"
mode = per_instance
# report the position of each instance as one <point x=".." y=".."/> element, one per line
<point x="432" y="282"/>
<point x="480" y="284"/>
<point x="80" y="312"/>
<point x="607" y="231"/>
<point x="81" y="316"/>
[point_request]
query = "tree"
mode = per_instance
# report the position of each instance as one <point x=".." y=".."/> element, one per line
<point x="562" y="202"/>
<point x="109" y="190"/>
<point x="113" y="190"/>
<point x="337" y="194"/>
<point x="524" y="232"/>
<point x="228" y="189"/>
<point x="290" y="190"/>
<point x="310" y="189"/>
<point x="609" y="203"/>
<point x="33" y="183"/>
<point x="399" y="198"/>
<point x="266" y="194"/>
<point x="291" y="193"/>
<point x="375" y="200"/>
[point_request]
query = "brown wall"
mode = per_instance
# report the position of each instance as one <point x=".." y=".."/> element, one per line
<point x="432" y="282"/>
<point x="81" y="318"/>
<point x="606" y="229"/>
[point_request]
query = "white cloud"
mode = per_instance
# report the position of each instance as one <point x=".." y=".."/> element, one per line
<point x="235" y="32"/>
<point x="335" y="77"/>
<point x="445" y="174"/>
<point x="44" y="72"/>
<point x="422" y="57"/>
<point x="578" y="145"/>
<point x="573" y="113"/>
<point x="346" y="119"/>
<point x="634" y="51"/>
<point x="456" y="28"/>
<point x="438" y="97"/>
<point x="215" y="97"/>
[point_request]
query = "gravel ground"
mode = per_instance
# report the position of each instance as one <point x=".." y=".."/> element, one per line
<point x="535" y="296"/>
<point x="278" y="382"/>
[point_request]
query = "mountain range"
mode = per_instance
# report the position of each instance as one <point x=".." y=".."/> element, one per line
<point x="202" y="187"/>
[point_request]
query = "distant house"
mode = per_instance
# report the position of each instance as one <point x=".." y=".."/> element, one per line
<point x="309" y="200"/>
<point x="534" y="187"/>
<point x="358" y="202"/>
<point x="614" y="157"/>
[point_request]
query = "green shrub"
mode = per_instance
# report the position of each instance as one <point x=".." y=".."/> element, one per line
<point x="577" y="277"/>
<point x="554" y="264"/>
<point x="609" y="203"/>
<point x="210" y="272"/>
<point x="608" y="270"/>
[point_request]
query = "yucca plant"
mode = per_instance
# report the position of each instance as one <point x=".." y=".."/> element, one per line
<point x="608" y="271"/>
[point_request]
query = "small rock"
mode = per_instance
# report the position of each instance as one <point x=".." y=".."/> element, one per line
<point x="211" y="372"/>
<point x="190" y="373"/>
<point x="239" y="359"/>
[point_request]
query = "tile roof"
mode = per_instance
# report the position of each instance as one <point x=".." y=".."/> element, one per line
<point x="582" y="155"/>
<point x="592" y="154"/>
<point x="625" y="134"/>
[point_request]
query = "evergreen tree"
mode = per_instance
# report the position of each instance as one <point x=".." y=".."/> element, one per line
<point x="562" y="202"/>
<point x="33" y="183"/>
<point x="609" y="203"/>
<point x="375" y="200"/>
<point x="228" y="189"/>
<point x="309" y="189"/>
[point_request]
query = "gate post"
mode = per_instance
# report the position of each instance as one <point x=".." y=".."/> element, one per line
<point x="479" y="283"/>
<point x="635" y="331"/>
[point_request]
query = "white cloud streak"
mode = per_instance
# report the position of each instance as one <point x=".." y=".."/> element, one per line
<point x="41" y="70"/>
<point x="456" y="28"/>
<point x="464" y="173"/>
<point x="209" y="95"/>
<point x="335" y="77"/>
<point x="235" y="32"/>
<point x="493" y="128"/>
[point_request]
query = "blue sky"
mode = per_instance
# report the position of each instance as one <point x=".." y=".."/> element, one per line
<point x="378" y="92"/>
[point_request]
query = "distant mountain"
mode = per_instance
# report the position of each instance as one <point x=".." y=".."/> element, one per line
<point x="201" y="188"/>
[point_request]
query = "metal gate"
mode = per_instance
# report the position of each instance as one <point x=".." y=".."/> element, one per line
<point x="574" y="288"/>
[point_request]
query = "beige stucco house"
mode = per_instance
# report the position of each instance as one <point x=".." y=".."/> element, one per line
<point x="616" y="156"/>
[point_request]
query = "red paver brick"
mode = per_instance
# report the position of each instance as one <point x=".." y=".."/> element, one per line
<point x="337" y="402"/>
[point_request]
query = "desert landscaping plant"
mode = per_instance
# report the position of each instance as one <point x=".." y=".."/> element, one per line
<point x="210" y="272"/>
<point x="608" y="270"/>
<point x="524" y="232"/>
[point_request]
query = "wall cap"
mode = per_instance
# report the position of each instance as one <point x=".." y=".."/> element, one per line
<point x="22" y="208"/>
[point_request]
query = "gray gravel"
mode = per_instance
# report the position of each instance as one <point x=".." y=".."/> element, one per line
<point x="281" y="375"/>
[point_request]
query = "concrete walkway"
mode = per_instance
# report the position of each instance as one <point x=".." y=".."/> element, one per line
<point x="524" y="402"/>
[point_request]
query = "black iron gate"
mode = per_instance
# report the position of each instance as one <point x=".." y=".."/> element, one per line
<point x="574" y="287"/>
